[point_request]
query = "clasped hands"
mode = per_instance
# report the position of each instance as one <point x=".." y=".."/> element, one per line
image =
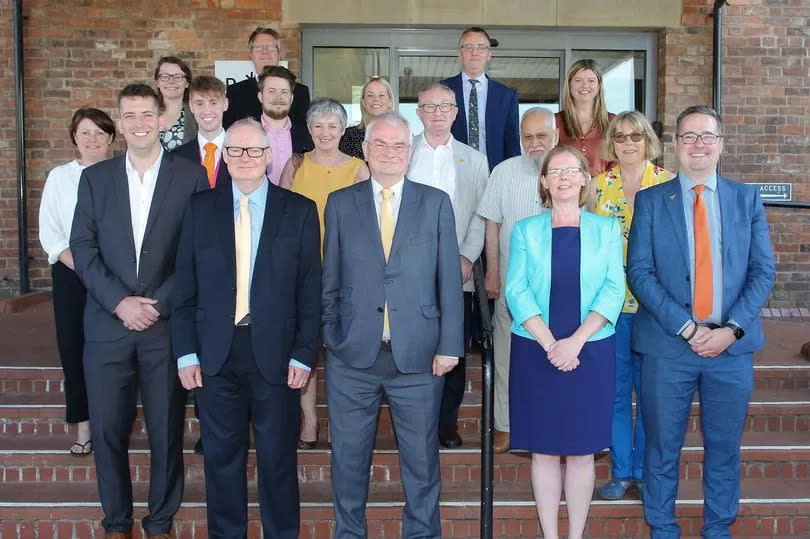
<point x="137" y="313"/>
<point x="564" y="353"/>
<point x="709" y="342"/>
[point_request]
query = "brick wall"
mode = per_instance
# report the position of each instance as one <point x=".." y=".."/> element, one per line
<point x="98" y="44"/>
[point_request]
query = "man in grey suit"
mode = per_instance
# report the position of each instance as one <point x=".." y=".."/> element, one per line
<point x="124" y="242"/>
<point x="439" y="160"/>
<point x="392" y="322"/>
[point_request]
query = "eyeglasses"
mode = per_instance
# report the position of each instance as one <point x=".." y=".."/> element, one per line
<point x="621" y="138"/>
<point x="705" y="138"/>
<point x="264" y="48"/>
<point x="471" y="47"/>
<point x="166" y="77"/>
<point x="560" y="172"/>
<point x="430" y="108"/>
<point x="381" y="146"/>
<point x="238" y="151"/>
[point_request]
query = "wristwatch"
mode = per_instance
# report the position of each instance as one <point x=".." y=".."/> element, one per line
<point x="738" y="331"/>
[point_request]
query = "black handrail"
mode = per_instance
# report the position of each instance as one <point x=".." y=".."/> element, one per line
<point x="22" y="190"/>
<point x="487" y="403"/>
<point x="786" y="204"/>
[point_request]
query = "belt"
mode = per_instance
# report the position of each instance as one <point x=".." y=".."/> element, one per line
<point x="245" y="321"/>
<point x="385" y="344"/>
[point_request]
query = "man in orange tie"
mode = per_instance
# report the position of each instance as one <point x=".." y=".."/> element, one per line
<point x="700" y="263"/>
<point x="207" y="101"/>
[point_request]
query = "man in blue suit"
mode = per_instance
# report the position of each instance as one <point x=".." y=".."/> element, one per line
<point x="487" y="110"/>
<point x="392" y="320"/>
<point x="244" y="331"/>
<point x="700" y="263"/>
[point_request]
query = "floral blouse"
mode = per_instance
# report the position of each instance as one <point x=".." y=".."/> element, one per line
<point x="610" y="201"/>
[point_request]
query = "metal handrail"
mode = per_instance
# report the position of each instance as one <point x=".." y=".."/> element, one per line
<point x="487" y="403"/>
<point x="785" y="204"/>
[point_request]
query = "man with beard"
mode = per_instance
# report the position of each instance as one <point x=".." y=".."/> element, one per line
<point x="285" y="135"/>
<point x="511" y="195"/>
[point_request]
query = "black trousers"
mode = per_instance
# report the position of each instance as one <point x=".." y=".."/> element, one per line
<point x="455" y="381"/>
<point x="228" y="402"/>
<point x="116" y="371"/>
<point x="69" y="298"/>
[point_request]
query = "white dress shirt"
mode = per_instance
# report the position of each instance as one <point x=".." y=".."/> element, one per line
<point x="376" y="188"/>
<point x="141" y="191"/>
<point x="434" y="167"/>
<point x="57" y="208"/>
<point x="481" y="90"/>
<point x="219" y="140"/>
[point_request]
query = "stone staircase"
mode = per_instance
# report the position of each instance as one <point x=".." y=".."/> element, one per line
<point x="46" y="493"/>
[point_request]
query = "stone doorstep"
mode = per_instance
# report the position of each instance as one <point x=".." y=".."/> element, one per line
<point x="17" y="304"/>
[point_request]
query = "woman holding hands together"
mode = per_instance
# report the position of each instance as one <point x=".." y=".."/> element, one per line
<point x="565" y="289"/>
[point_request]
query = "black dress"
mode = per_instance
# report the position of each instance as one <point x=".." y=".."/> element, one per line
<point x="351" y="143"/>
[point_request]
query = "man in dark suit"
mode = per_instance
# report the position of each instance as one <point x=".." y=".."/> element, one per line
<point x="124" y="242"/>
<point x="207" y="101"/>
<point x="701" y="265"/>
<point x="264" y="45"/>
<point x="487" y="110"/>
<point x="245" y="328"/>
<point x="393" y="316"/>
<point x="285" y="135"/>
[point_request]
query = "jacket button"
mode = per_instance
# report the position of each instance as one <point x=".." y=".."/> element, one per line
<point x="687" y="305"/>
<point x="144" y="252"/>
<point x="388" y="281"/>
<point x="687" y="278"/>
<point x="142" y="283"/>
<point x="379" y="309"/>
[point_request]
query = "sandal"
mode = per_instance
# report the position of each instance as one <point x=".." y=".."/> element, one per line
<point x="86" y="449"/>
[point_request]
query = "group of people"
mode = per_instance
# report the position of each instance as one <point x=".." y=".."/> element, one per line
<point x="247" y="232"/>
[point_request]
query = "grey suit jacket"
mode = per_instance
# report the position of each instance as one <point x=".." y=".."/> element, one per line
<point x="104" y="249"/>
<point x="421" y="280"/>
<point x="472" y="174"/>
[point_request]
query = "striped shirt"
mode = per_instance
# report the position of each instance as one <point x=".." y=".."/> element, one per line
<point x="511" y="195"/>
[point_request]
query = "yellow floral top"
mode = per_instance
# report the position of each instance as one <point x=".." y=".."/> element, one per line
<point x="610" y="201"/>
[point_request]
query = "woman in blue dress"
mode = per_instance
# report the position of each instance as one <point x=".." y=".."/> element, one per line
<point x="565" y="288"/>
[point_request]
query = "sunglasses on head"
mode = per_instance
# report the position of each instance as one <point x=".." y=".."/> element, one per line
<point x="622" y="137"/>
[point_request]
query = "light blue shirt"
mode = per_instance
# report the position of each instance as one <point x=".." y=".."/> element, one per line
<point x="481" y="89"/>
<point x="712" y="202"/>
<point x="257" y="200"/>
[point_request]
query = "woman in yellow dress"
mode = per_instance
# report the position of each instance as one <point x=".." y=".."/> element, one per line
<point x="630" y="142"/>
<point x="315" y="175"/>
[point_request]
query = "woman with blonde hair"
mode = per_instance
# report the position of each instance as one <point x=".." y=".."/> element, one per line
<point x="632" y="143"/>
<point x="378" y="97"/>
<point x="584" y="116"/>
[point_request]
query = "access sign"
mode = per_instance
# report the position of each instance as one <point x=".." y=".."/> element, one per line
<point x="782" y="192"/>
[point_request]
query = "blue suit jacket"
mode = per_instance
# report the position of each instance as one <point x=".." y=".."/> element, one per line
<point x="421" y="281"/>
<point x="658" y="266"/>
<point x="503" y="131"/>
<point x="601" y="276"/>
<point x="285" y="292"/>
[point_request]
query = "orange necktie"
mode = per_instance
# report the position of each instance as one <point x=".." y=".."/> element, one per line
<point x="703" y="258"/>
<point x="209" y="162"/>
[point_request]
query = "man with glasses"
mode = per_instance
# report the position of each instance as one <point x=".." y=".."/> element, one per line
<point x="264" y="46"/>
<point x="488" y="110"/>
<point x="442" y="162"/>
<point x="244" y="331"/>
<point x="700" y="263"/>
<point x="512" y="194"/>
<point x="392" y="323"/>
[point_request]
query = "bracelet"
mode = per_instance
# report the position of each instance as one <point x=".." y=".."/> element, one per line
<point x="689" y="338"/>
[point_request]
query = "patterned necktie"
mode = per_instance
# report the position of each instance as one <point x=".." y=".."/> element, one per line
<point x="242" y="260"/>
<point x="387" y="237"/>
<point x="472" y="130"/>
<point x="703" y="258"/>
<point x="209" y="162"/>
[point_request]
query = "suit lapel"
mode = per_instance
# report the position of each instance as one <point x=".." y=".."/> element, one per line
<point x="457" y="85"/>
<point x="162" y="185"/>
<point x="727" y="203"/>
<point x="369" y="224"/>
<point x="674" y="205"/>
<point x="274" y="209"/>
<point x="406" y="217"/>
<point x="122" y="201"/>
<point x="225" y="228"/>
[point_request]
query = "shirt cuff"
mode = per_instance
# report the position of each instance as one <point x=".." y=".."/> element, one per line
<point x="294" y="363"/>
<point x="732" y="321"/>
<point x="188" y="360"/>
<point x="683" y="327"/>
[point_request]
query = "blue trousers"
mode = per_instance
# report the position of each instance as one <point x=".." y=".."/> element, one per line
<point x="627" y="445"/>
<point x="667" y="387"/>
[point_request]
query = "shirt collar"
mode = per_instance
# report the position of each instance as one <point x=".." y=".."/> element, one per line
<point x="258" y="197"/>
<point x="219" y="140"/>
<point x="284" y="128"/>
<point x="377" y="188"/>
<point x="448" y="145"/>
<point x="688" y="183"/>
<point x="153" y="166"/>
<point x="482" y="78"/>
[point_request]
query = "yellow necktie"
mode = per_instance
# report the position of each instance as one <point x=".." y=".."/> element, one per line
<point x="242" y="260"/>
<point x="387" y="236"/>
<point x="209" y="162"/>
<point x="703" y="258"/>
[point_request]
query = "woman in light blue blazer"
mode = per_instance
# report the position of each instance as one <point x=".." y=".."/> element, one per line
<point x="565" y="288"/>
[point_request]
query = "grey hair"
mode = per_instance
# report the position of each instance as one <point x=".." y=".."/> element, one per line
<point x="391" y="118"/>
<point x="537" y="110"/>
<point x="326" y="106"/>
<point x="246" y="122"/>
<point x="439" y="86"/>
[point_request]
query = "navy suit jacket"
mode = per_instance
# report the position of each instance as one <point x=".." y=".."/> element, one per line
<point x="421" y="281"/>
<point x="285" y="293"/>
<point x="243" y="102"/>
<point x="658" y="266"/>
<point x="191" y="151"/>
<point x="502" y="122"/>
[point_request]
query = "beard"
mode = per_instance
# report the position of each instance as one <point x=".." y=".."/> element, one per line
<point x="537" y="160"/>
<point x="276" y="114"/>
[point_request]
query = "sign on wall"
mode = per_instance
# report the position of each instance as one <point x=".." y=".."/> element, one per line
<point x="783" y="192"/>
<point x="233" y="71"/>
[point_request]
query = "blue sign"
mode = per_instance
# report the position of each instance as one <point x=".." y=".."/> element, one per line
<point x="782" y="192"/>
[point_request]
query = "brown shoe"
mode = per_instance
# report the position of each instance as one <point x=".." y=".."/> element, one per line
<point x="118" y="535"/>
<point x="501" y="443"/>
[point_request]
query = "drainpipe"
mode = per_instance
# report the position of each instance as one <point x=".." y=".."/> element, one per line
<point x="717" y="64"/>
<point x="22" y="196"/>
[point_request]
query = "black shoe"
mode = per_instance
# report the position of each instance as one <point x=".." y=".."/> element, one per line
<point x="448" y="437"/>
<point x="198" y="450"/>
